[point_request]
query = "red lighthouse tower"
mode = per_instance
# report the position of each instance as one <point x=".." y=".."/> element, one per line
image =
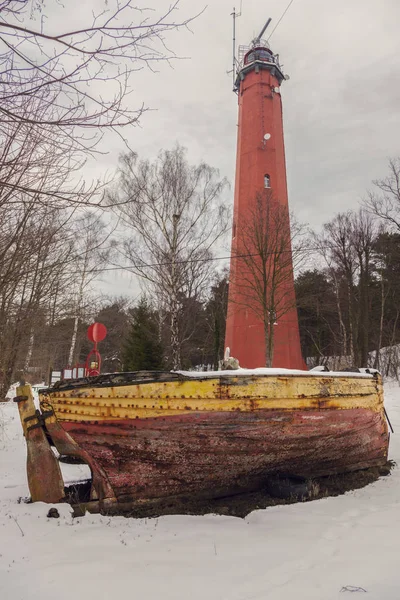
<point x="260" y="177"/>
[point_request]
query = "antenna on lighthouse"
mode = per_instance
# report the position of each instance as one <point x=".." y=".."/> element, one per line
<point x="234" y="15"/>
<point x="257" y="39"/>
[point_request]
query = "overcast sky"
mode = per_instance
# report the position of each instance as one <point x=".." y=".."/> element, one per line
<point x="341" y="104"/>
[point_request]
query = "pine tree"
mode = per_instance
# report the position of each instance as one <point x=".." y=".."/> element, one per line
<point x="142" y="349"/>
<point x="215" y="309"/>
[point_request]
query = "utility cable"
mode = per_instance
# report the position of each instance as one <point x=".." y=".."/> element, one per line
<point x="310" y="249"/>
<point x="283" y="14"/>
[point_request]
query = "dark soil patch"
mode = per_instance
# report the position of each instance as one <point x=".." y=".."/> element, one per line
<point x="240" y="505"/>
<point x="78" y="492"/>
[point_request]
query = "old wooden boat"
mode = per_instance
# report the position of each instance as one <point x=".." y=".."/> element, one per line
<point x="150" y="436"/>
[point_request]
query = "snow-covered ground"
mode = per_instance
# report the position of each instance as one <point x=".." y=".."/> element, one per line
<point x="319" y="550"/>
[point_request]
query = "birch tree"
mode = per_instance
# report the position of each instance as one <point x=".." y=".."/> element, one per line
<point x="31" y="269"/>
<point x="347" y="246"/>
<point x="174" y="214"/>
<point x="384" y="199"/>
<point x="92" y="244"/>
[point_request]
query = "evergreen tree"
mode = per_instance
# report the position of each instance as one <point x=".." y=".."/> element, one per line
<point x="317" y="313"/>
<point x="215" y="309"/>
<point x="142" y="349"/>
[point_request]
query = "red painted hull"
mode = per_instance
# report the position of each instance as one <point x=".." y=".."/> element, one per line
<point x="209" y="454"/>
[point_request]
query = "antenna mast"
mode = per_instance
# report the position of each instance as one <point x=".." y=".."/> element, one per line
<point x="234" y="15"/>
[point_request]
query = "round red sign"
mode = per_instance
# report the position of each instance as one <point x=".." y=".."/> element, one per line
<point x="96" y="332"/>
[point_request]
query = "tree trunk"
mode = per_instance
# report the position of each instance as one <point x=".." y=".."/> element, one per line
<point x="381" y="321"/>
<point x="175" y="345"/>
<point x="271" y="344"/>
<point x="217" y="342"/>
<point x="73" y="342"/>
<point x="344" y="351"/>
<point x="29" y="350"/>
<point x="351" y="325"/>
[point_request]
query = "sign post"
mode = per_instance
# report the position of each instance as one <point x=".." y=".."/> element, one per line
<point x="95" y="333"/>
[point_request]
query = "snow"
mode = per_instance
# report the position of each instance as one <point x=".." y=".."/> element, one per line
<point x="12" y="392"/>
<point x="275" y="371"/>
<point x="310" y="551"/>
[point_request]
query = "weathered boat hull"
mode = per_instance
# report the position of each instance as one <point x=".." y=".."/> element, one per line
<point x="218" y="435"/>
<point x="222" y="453"/>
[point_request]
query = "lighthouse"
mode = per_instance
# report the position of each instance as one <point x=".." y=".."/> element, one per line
<point x="260" y="196"/>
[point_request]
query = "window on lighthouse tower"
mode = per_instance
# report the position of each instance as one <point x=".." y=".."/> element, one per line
<point x="267" y="181"/>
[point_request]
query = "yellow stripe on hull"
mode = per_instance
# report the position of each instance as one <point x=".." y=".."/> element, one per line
<point x="241" y="393"/>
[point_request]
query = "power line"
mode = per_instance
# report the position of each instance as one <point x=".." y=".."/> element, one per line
<point x="283" y="14"/>
<point x="133" y="270"/>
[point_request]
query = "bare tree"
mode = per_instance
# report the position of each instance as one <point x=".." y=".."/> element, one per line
<point x="48" y="258"/>
<point x="175" y="215"/>
<point x="347" y="246"/>
<point x="387" y="266"/>
<point x="265" y="264"/>
<point x="92" y="246"/>
<point x="31" y="269"/>
<point x="67" y="87"/>
<point x="384" y="201"/>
